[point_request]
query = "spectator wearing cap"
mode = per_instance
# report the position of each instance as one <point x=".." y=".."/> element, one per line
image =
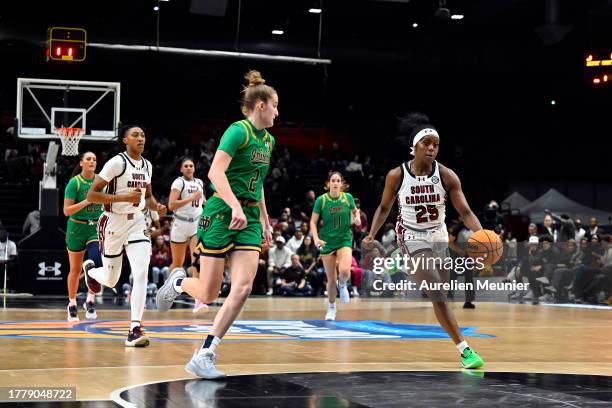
<point x="279" y="258"/>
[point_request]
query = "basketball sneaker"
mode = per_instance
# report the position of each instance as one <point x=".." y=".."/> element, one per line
<point x="92" y="284"/>
<point x="199" y="306"/>
<point x="331" y="314"/>
<point x="471" y="359"/>
<point x="204" y="392"/>
<point x="202" y="365"/>
<point x="137" y="338"/>
<point x="90" y="311"/>
<point x="72" y="313"/>
<point x="166" y="294"/>
<point x="344" y="293"/>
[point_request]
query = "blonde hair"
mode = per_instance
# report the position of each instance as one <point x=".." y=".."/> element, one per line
<point x="343" y="188"/>
<point x="255" y="91"/>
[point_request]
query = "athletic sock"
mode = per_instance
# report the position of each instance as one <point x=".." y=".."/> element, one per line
<point x="72" y="302"/>
<point x="331" y="305"/>
<point x="134" y="323"/>
<point x="462" y="346"/>
<point x="211" y="343"/>
<point x="91" y="297"/>
<point x="177" y="285"/>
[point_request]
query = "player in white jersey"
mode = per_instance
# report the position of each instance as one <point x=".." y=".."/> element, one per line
<point x="421" y="187"/>
<point x="123" y="226"/>
<point x="186" y="199"/>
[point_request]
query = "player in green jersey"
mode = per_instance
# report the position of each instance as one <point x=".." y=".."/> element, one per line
<point x="330" y="224"/>
<point x="81" y="232"/>
<point x="233" y="221"/>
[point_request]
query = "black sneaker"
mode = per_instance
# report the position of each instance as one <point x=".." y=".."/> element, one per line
<point x="90" y="311"/>
<point x="136" y="338"/>
<point x="92" y="284"/>
<point x="72" y="313"/>
<point x="469" y="305"/>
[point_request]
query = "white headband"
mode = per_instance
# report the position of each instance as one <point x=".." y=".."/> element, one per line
<point x="421" y="134"/>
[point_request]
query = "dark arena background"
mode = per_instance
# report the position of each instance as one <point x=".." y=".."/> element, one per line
<point x="519" y="92"/>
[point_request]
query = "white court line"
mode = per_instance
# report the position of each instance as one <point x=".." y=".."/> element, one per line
<point x="115" y="395"/>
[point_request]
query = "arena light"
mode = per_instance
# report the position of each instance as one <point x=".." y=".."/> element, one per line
<point x="156" y="8"/>
<point x="278" y="32"/>
<point x="415" y="25"/>
<point x="315" y="11"/>
<point x="457" y="17"/>
<point x="596" y="80"/>
<point x="553" y="102"/>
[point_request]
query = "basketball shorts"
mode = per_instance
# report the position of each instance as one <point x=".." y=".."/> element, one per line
<point x="215" y="239"/>
<point x="115" y="231"/>
<point x="412" y="241"/>
<point x="182" y="230"/>
<point x="332" y="246"/>
<point x="79" y="233"/>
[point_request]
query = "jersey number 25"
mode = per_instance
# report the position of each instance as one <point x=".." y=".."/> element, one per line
<point x="426" y="213"/>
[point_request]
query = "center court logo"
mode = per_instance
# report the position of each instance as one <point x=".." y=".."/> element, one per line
<point x="242" y="330"/>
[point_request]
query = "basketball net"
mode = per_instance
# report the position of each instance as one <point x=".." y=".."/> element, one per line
<point x="70" y="138"/>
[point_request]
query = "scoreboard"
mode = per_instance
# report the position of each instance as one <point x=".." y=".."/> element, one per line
<point x="598" y="67"/>
<point x="66" y="44"/>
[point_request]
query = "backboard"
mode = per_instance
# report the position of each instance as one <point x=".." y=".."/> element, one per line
<point x="44" y="105"/>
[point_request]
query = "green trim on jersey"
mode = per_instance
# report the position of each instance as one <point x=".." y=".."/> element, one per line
<point x="76" y="189"/>
<point x="251" y="150"/>
<point x="334" y="220"/>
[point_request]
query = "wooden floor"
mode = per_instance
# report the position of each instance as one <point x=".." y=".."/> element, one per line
<point x="526" y="339"/>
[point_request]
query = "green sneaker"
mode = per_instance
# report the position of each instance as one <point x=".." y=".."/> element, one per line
<point x="471" y="359"/>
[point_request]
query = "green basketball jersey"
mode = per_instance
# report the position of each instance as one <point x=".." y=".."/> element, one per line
<point x="334" y="216"/>
<point x="251" y="151"/>
<point x="76" y="189"/>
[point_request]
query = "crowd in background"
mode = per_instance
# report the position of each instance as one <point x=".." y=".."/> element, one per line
<point x="561" y="259"/>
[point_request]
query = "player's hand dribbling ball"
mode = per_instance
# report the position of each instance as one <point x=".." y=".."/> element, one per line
<point x="486" y="245"/>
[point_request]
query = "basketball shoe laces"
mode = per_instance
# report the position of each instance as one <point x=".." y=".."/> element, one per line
<point x="210" y="359"/>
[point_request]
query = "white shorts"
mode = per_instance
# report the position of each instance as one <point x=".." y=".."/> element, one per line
<point x="115" y="231"/>
<point x="413" y="241"/>
<point x="182" y="231"/>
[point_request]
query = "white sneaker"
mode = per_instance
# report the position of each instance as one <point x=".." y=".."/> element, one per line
<point x="344" y="295"/>
<point x="90" y="311"/>
<point x="202" y="365"/>
<point x="269" y="292"/>
<point x="355" y="291"/>
<point x="331" y="314"/>
<point x="72" y="313"/>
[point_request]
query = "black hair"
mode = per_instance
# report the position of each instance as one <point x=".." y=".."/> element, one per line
<point x="77" y="168"/>
<point x="411" y="124"/>
<point x="184" y="159"/>
<point x="546" y="238"/>
<point x="123" y="130"/>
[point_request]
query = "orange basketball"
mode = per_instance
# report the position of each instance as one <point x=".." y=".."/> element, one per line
<point x="487" y="245"/>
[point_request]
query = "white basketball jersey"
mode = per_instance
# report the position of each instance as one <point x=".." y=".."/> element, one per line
<point x="123" y="175"/>
<point x="421" y="199"/>
<point x="187" y="188"/>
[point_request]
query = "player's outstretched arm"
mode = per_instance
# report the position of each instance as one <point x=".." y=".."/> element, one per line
<point x="95" y="194"/>
<point x="453" y="187"/>
<point x="392" y="185"/>
<point x="152" y="204"/>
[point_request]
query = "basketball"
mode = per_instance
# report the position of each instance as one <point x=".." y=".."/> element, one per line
<point x="487" y="245"/>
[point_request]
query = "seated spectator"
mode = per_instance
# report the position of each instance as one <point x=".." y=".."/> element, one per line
<point x="596" y="255"/>
<point x="570" y="259"/>
<point x="307" y="206"/>
<point x="161" y="259"/>
<point x="8" y="255"/>
<point x="389" y="238"/>
<point x="543" y="266"/>
<point x="32" y="223"/>
<point x="548" y="228"/>
<point x="305" y="228"/>
<point x="293" y="279"/>
<point x="356" y="272"/>
<point x="279" y="258"/>
<point x="594" y="229"/>
<point x="307" y="252"/>
<point x="359" y="231"/>
<point x="295" y="242"/>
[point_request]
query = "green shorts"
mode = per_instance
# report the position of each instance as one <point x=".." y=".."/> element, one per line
<point x="79" y="233"/>
<point x="214" y="237"/>
<point x="332" y="246"/>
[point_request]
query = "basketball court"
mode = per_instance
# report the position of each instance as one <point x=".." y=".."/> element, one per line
<point x="378" y="353"/>
<point x="381" y="351"/>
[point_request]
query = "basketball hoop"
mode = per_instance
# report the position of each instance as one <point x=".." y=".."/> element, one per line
<point x="70" y="138"/>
